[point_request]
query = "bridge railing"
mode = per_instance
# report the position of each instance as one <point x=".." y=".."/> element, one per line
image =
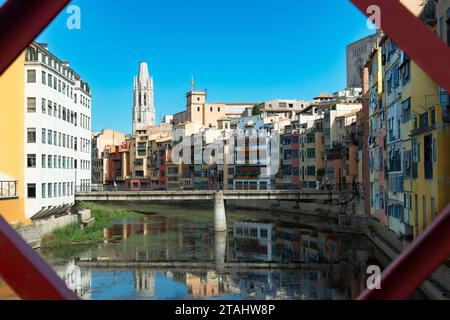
<point x="345" y="188"/>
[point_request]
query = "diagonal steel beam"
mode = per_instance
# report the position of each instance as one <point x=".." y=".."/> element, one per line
<point x="414" y="37"/>
<point x="21" y="21"/>
<point x="26" y="272"/>
<point x="416" y="263"/>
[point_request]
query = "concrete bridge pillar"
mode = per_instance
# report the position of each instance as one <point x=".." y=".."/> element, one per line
<point x="220" y="245"/>
<point x="220" y="219"/>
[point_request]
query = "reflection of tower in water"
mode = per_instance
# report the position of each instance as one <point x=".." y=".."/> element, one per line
<point x="144" y="282"/>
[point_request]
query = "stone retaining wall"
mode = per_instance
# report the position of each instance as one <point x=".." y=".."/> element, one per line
<point x="33" y="234"/>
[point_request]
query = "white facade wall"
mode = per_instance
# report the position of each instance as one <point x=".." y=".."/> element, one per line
<point x="54" y="175"/>
<point x="82" y="102"/>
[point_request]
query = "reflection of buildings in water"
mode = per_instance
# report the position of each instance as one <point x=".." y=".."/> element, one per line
<point x="203" y="285"/>
<point x="262" y="233"/>
<point x="144" y="282"/>
<point x="306" y="245"/>
<point x="288" y="244"/>
<point x="176" y="240"/>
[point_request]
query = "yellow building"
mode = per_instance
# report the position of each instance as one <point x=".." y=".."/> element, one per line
<point x="430" y="134"/>
<point x="12" y="166"/>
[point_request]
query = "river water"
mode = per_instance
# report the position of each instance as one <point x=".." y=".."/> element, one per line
<point x="175" y="254"/>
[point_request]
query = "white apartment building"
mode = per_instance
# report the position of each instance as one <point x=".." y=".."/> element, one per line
<point x="57" y="133"/>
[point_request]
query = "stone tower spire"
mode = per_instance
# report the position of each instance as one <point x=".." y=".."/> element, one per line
<point x="143" y="106"/>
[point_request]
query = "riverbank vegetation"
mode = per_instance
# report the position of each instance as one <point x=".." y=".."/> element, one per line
<point x="104" y="215"/>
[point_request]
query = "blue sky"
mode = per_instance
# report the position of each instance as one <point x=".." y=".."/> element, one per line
<point x="238" y="50"/>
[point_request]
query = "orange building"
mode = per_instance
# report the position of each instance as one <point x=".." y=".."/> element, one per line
<point x="12" y="159"/>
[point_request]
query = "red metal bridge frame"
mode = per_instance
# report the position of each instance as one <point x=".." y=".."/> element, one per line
<point x="31" y="278"/>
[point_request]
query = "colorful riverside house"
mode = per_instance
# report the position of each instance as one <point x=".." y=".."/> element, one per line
<point x="430" y="133"/>
<point x="296" y="158"/>
<point x="286" y="156"/>
<point x="12" y="148"/>
<point x="312" y="156"/>
<point x="396" y="77"/>
<point x="376" y="135"/>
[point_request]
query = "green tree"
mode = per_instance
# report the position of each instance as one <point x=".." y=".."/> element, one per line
<point x="256" y="111"/>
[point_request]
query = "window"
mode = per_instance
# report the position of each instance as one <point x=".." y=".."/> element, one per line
<point x="311" y="171"/>
<point x="407" y="164"/>
<point x="423" y="120"/>
<point x="31" y="104"/>
<point x="395" y="159"/>
<point x="50" y="161"/>
<point x="31" y="191"/>
<point x="406" y="111"/>
<point x="263" y="233"/>
<point x="44" y="105"/>
<point x="50" y="108"/>
<point x="31" y="161"/>
<point x="50" y="137"/>
<point x="44" y="77"/>
<point x="44" y="161"/>
<point x="43" y="190"/>
<point x="396" y="183"/>
<point x="50" y="78"/>
<point x="311" y="153"/>
<point x="428" y="157"/>
<point x="405" y="72"/>
<point x="31" y="135"/>
<point x="50" y="190"/>
<point x="396" y="76"/>
<point x="434" y="150"/>
<point x="310" y="138"/>
<point x="31" y="76"/>
<point x="44" y="136"/>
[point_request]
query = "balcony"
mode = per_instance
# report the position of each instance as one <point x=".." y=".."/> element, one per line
<point x="8" y="190"/>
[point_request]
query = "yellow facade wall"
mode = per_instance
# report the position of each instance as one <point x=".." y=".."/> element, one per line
<point x="424" y="97"/>
<point x="12" y="159"/>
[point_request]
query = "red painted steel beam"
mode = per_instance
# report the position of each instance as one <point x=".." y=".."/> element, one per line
<point x="26" y="272"/>
<point x="416" y="263"/>
<point x="21" y="21"/>
<point x="414" y="37"/>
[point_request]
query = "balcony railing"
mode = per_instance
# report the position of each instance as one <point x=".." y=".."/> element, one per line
<point x="8" y="189"/>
